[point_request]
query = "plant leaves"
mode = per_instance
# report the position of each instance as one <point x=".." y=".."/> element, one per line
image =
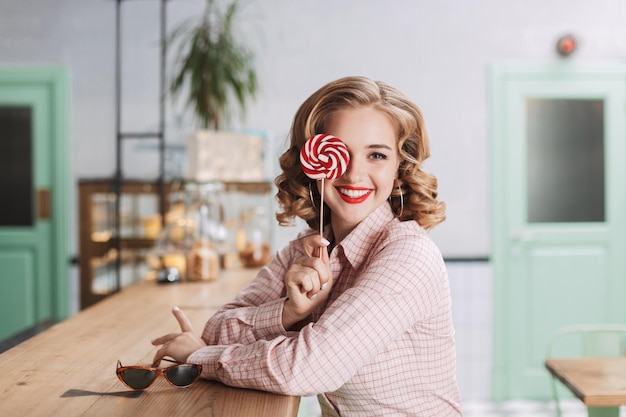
<point x="214" y="67"/>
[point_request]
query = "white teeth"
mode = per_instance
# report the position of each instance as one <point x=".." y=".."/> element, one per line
<point x="353" y="193"/>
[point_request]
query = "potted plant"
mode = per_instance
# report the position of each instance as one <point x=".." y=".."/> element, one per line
<point x="217" y="73"/>
<point x="212" y="65"/>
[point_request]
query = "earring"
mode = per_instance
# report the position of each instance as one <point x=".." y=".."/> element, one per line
<point x="311" y="196"/>
<point x="401" y="200"/>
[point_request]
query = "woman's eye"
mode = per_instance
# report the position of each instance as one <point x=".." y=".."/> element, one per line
<point x="378" y="155"/>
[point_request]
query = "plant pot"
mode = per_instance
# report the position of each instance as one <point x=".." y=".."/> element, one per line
<point x="225" y="156"/>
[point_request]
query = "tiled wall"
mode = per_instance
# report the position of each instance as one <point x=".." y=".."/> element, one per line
<point x="470" y="287"/>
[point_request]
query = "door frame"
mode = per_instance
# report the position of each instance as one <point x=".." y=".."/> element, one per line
<point x="55" y="79"/>
<point x="499" y="75"/>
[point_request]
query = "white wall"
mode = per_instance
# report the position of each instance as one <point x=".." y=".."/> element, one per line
<point x="437" y="51"/>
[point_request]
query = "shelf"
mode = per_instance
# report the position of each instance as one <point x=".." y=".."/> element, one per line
<point x="137" y="243"/>
<point x="98" y="260"/>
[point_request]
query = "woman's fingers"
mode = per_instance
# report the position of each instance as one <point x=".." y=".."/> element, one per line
<point x="183" y="320"/>
<point x="158" y="356"/>
<point x="305" y="292"/>
<point x="303" y="280"/>
<point x="178" y="345"/>
<point x="314" y="245"/>
<point x="303" y="277"/>
<point x="164" y="339"/>
<point x="307" y="281"/>
<point x="317" y="272"/>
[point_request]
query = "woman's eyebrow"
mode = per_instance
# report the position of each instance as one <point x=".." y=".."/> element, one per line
<point x="379" y="146"/>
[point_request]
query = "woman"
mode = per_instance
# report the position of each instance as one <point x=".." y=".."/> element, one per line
<point x="360" y="316"/>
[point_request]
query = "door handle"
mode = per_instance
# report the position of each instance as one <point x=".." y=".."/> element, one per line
<point x="44" y="206"/>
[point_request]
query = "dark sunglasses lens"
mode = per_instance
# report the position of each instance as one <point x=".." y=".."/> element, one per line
<point x="182" y="375"/>
<point x="138" y="378"/>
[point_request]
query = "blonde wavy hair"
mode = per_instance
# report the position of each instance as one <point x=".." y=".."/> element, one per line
<point x="418" y="188"/>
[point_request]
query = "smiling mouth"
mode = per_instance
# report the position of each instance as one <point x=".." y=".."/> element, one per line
<point x="354" y="195"/>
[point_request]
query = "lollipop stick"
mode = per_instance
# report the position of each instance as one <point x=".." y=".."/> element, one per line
<point x="322" y="209"/>
<point x="322" y="213"/>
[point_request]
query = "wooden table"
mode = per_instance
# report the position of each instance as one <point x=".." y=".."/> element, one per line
<point x="600" y="383"/>
<point x="69" y="369"/>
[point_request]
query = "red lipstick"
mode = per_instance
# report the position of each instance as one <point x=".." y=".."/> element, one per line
<point x="363" y="194"/>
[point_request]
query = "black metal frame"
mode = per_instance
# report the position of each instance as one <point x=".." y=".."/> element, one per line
<point x="121" y="136"/>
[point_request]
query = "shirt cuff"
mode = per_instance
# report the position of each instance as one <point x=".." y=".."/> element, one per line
<point x="268" y="320"/>
<point x="208" y="357"/>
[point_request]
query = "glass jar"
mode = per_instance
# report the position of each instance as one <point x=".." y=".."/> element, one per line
<point x="253" y="241"/>
<point x="174" y="240"/>
<point x="209" y="237"/>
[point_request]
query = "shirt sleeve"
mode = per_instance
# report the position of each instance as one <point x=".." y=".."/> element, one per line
<point x="256" y="312"/>
<point x="400" y="285"/>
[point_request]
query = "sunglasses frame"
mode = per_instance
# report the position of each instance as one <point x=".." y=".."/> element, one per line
<point x="157" y="371"/>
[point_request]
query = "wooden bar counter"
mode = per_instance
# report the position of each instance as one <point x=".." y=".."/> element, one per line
<point x="69" y="369"/>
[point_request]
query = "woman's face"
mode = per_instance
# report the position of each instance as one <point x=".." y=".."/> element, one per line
<point x="367" y="183"/>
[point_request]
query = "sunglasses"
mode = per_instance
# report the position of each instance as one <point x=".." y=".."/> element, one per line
<point x="180" y="375"/>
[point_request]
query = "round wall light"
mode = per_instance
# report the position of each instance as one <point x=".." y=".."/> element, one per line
<point x="566" y="45"/>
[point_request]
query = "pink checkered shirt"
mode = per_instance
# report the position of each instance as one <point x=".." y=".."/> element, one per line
<point x="383" y="345"/>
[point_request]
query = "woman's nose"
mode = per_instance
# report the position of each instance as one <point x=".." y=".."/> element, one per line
<point x="354" y="172"/>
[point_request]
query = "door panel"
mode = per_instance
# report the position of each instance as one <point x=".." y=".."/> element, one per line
<point x="573" y="280"/>
<point x="34" y="270"/>
<point x="18" y="307"/>
<point x="559" y="203"/>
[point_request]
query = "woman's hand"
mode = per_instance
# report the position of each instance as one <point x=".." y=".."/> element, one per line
<point x="178" y="346"/>
<point x="308" y="282"/>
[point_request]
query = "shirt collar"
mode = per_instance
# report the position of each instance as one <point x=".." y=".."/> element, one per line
<point x="356" y="246"/>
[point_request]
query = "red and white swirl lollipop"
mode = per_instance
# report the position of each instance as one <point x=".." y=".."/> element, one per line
<point x="324" y="156"/>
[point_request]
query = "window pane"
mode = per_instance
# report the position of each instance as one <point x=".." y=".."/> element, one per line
<point x="565" y="160"/>
<point x="16" y="182"/>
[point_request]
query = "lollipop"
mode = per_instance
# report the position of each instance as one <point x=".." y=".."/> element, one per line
<point x="324" y="156"/>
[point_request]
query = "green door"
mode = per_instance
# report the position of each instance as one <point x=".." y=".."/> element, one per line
<point x="34" y="203"/>
<point x="559" y="210"/>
